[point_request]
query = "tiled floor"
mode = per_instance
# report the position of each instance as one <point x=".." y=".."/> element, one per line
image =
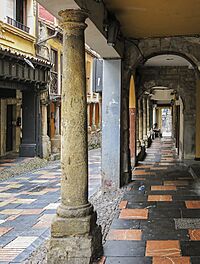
<point x="11" y="160"/>
<point x="160" y="223"/>
<point x="27" y="204"/>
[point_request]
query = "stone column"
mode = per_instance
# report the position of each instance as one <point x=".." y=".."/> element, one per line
<point x="100" y="113"/>
<point x="75" y="236"/>
<point x="148" y="117"/>
<point x="56" y="141"/>
<point x="110" y="165"/>
<point x="94" y="116"/>
<point x="137" y="132"/>
<point x="144" y="120"/>
<point x="88" y="117"/>
<point x="46" y="145"/>
<point x="140" y="121"/>
<point x="154" y="115"/>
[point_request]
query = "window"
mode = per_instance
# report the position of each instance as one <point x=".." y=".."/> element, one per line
<point x="54" y="60"/>
<point x="21" y="11"/>
<point x="54" y="72"/>
<point x="18" y="17"/>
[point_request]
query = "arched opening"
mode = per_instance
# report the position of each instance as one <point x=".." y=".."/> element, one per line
<point x="168" y="83"/>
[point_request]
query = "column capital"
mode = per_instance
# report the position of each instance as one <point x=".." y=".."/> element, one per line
<point x="73" y="18"/>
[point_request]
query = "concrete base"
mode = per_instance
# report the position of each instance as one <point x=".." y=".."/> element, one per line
<point x="71" y="247"/>
<point x="46" y="147"/>
<point x="73" y="250"/>
<point x="56" y="144"/>
<point x="75" y="236"/>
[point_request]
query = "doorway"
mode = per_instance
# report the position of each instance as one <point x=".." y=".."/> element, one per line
<point x="9" y="128"/>
<point x="166" y="122"/>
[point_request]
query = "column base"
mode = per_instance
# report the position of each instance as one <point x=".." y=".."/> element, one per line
<point x="56" y="144"/>
<point x="28" y="150"/>
<point x="75" y="250"/>
<point x="76" y="238"/>
<point x="46" y="147"/>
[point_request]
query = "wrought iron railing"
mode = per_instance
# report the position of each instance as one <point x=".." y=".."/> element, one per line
<point x="17" y="24"/>
<point x="54" y="83"/>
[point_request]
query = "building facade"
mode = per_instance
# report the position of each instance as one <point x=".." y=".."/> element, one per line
<point x="50" y="47"/>
<point x="23" y="78"/>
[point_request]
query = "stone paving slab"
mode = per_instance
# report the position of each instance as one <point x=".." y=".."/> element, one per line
<point x="159" y="216"/>
<point x="28" y="203"/>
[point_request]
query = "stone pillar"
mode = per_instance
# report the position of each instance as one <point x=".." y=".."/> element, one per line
<point x="148" y="117"/>
<point x="144" y="120"/>
<point x="75" y="237"/>
<point x="56" y="141"/>
<point x="111" y="123"/>
<point x="88" y="117"/>
<point x="132" y="135"/>
<point x="137" y="132"/>
<point x="154" y="115"/>
<point x="46" y="145"/>
<point x="100" y="113"/>
<point x="140" y="121"/>
<point x="94" y="116"/>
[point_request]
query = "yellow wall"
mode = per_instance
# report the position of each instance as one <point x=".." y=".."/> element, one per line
<point x="16" y="39"/>
<point x="198" y="119"/>
<point x="132" y="93"/>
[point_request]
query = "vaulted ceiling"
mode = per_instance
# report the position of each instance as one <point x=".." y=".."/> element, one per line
<point x="156" y="18"/>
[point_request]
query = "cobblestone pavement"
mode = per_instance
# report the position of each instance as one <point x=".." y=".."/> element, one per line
<point x="27" y="204"/>
<point x="159" y="217"/>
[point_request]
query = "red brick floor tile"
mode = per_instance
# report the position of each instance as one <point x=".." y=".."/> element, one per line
<point x="124" y="234"/>
<point x="192" y="204"/>
<point x="134" y="214"/>
<point x="4" y="230"/>
<point x="123" y="204"/>
<point x="163" y="188"/>
<point x="163" y="248"/>
<point x="176" y="183"/>
<point x="194" y="234"/>
<point x="171" y="260"/>
<point x="141" y="172"/>
<point x="159" y="198"/>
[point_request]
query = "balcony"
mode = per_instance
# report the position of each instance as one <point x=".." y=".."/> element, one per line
<point x="17" y="24"/>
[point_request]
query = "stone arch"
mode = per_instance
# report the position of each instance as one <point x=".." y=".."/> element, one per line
<point x="137" y="53"/>
<point x="183" y="82"/>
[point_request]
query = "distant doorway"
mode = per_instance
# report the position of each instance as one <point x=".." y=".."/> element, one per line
<point x="166" y="122"/>
<point x="9" y="128"/>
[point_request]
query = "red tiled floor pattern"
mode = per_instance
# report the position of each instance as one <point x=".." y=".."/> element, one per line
<point x="134" y="214"/>
<point x="194" y="234"/>
<point x="161" y="198"/>
<point x="145" y="231"/>
<point x="192" y="204"/>
<point x="163" y="248"/>
<point x="171" y="260"/>
<point x="124" y="234"/>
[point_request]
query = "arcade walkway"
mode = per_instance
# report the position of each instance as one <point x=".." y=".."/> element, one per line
<point x="159" y="217"/>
